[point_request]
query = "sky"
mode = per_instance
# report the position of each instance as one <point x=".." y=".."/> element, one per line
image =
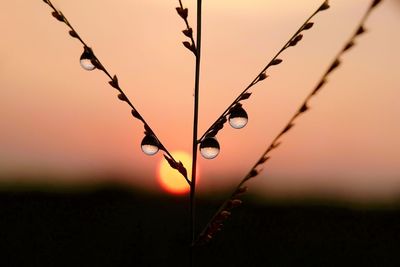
<point x="57" y="118"/>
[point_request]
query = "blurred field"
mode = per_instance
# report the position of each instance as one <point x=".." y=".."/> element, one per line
<point x="113" y="226"/>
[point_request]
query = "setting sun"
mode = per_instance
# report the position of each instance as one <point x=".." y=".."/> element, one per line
<point x="170" y="179"/>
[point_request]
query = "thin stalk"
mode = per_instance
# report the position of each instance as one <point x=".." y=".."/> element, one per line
<point x="210" y="229"/>
<point x="262" y="72"/>
<point x="195" y="125"/>
<point x="114" y="83"/>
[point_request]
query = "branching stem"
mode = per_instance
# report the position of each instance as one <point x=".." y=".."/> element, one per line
<point x="209" y="231"/>
<point x="262" y="72"/>
<point x="114" y="83"/>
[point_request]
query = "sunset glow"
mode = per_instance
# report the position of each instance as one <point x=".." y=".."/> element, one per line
<point x="61" y="120"/>
<point x="171" y="180"/>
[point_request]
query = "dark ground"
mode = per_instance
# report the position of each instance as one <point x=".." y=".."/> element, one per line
<point x="116" y="227"/>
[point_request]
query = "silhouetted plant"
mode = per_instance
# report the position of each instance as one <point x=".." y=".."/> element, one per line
<point x="234" y="113"/>
<point x="215" y="224"/>
<point x="89" y="61"/>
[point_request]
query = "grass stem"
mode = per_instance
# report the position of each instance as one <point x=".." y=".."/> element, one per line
<point x="195" y="125"/>
<point x="114" y="83"/>
<point x="209" y="230"/>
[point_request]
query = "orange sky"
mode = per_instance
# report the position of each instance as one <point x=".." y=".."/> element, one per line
<point x="57" y="117"/>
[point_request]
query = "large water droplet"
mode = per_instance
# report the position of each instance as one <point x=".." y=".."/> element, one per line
<point x="86" y="61"/>
<point x="238" y="117"/>
<point x="209" y="148"/>
<point x="150" y="145"/>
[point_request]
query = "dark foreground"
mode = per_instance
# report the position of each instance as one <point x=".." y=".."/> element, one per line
<point x="115" y="227"/>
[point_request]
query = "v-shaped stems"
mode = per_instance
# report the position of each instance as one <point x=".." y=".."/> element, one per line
<point x="215" y="223"/>
<point x="121" y="96"/>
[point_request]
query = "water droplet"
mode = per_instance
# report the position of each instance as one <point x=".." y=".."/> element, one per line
<point x="209" y="148"/>
<point x="150" y="145"/>
<point x="238" y="117"/>
<point x="86" y="61"/>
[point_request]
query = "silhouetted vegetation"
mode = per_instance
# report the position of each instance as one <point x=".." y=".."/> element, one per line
<point x="113" y="226"/>
<point x="152" y="241"/>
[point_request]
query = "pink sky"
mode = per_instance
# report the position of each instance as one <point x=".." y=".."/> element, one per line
<point x="57" y="117"/>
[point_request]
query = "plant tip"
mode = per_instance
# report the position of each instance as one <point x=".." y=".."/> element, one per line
<point x="324" y="6"/>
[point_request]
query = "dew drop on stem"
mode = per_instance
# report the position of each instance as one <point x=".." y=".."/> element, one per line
<point x="209" y="148"/>
<point x="238" y="118"/>
<point x="86" y="61"/>
<point x="150" y="145"/>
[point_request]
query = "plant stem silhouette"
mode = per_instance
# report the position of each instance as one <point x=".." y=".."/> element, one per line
<point x="121" y="96"/>
<point x="215" y="224"/>
<point x="297" y="37"/>
<point x="195" y="122"/>
<point x="195" y="48"/>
